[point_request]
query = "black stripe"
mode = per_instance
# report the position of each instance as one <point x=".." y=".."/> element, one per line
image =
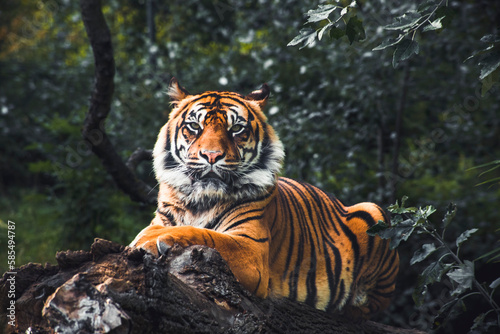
<point x="258" y="283"/>
<point x="384" y="286"/>
<point x="239" y="222"/>
<point x="363" y="215"/>
<point x="167" y="146"/>
<point x="311" y="281"/>
<point x="329" y="208"/>
<point x="215" y="223"/>
<point x="236" y="241"/>
<point x="213" y="241"/>
<point x="264" y="157"/>
<point x="262" y="240"/>
<point x="169" y="161"/>
<point x="306" y="226"/>
<point x="390" y="271"/>
<point x="332" y="278"/>
<point x="291" y="243"/>
<point x="382" y="258"/>
<point x="354" y="243"/>
<point x="338" y="205"/>
<point x="282" y="233"/>
<point x="306" y="199"/>
<point x="168" y="215"/>
<point x="332" y="307"/>
<point x="319" y="209"/>
<point x="381" y="294"/>
<point x="260" y="210"/>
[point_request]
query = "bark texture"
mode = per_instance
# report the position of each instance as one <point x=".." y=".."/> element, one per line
<point x="116" y="289"/>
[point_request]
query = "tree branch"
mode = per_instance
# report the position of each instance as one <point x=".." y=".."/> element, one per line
<point x="116" y="289"/>
<point x="100" y="105"/>
<point x="139" y="156"/>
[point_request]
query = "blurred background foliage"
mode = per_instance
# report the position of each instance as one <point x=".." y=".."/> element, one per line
<point x="334" y="105"/>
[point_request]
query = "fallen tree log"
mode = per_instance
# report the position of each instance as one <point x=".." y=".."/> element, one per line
<point x="116" y="289"/>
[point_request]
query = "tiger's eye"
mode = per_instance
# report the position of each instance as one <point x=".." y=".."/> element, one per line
<point x="236" y="128"/>
<point x="194" y="126"/>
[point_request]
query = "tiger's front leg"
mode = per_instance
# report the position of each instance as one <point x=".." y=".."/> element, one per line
<point x="247" y="259"/>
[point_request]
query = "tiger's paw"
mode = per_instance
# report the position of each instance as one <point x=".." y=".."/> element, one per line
<point x="157" y="240"/>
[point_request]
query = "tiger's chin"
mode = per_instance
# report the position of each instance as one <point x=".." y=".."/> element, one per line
<point x="203" y="193"/>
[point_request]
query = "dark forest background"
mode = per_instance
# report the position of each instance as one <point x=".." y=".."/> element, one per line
<point x="351" y="122"/>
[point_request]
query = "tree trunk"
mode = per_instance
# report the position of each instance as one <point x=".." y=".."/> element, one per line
<point x="116" y="289"/>
<point x="398" y="132"/>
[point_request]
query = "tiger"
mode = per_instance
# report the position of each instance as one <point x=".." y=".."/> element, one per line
<point x="217" y="162"/>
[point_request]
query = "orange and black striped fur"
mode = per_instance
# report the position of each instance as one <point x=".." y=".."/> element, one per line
<point x="217" y="162"/>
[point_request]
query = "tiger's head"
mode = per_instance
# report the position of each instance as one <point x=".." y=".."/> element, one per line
<point x="217" y="146"/>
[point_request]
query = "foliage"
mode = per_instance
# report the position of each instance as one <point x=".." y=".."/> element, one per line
<point x="494" y="166"/>
<point x="449" y="262"/>
<point x="490" y="61"/>
<point x="430" y="15"/>
<point x="352" y="27"/>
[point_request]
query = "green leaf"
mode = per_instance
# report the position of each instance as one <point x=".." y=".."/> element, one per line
<point x="433" y="273"/>
<point x="490" y="81"/>
<point x="494" y="162"/>
<point x="404" y="50"/>
<point x="395" y="208"/>
<point x="496" y="179"/>
<point x="465" y="235"/>
<point x="434" y="25"/>
<point x="444" y="312"/>
<point x="490" y="253"/>
<point x="423" y="214"/>
<point x="403" y="200"/>
<point x="480" y="52"/>
<point x="495" y="283"/>
<point x="306" y="36"/>
<point x="419" y="295"/>
<point x="464" y="276"/>
<point x="451" y="211"/>
<point x="492" y="38"/>
<point x="489" y="170"/>
<point x="380" y="227"/>
<point x="355" y="30"/>
<point x="423" y="253"/>
<point x="427" y="211"/>
<point x="497" y="256"/>
<point x="405" y="22"/>
<point x="396" y="233"/>
<point x="321" y="13"/>
<point x="489" y="64"/>
<point x="446" y="13"/>
<point x="426" y="5"/>
<point x="325" y="29"/>
<point x="388" y="43"/>
<point x="337" y="33"/>
<point x="478" y="326"/>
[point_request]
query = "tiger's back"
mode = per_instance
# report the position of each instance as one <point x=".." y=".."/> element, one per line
<point x="320" y="252"/>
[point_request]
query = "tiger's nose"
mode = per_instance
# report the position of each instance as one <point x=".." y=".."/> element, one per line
<point x="211" y="156"/>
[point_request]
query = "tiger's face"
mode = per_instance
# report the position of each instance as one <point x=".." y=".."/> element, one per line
<point x="217" y="147"/>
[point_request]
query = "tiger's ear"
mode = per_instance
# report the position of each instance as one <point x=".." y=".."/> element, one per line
<point x="176" y="92"/>
<point x="260" y="96"/>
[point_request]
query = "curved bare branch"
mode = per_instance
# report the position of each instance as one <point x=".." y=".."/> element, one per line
<point x="100" y="105"/>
